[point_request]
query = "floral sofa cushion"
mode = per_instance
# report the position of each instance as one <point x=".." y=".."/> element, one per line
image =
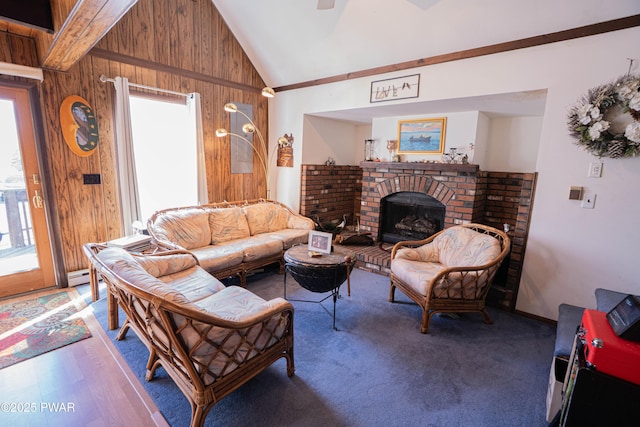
<point x="180" y="271"/>
<point x="227" y="224"/>
<point x="166" y="265"/>
<point x="188" y="228"/>
<point x="235" y="304"/>
<point x="124" y="265"/>
<point x="265" y="217"/>
<point x="231" y="238"/>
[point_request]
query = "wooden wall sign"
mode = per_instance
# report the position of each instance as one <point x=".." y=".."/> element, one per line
<point x="393" y="89"/>
<point x="79" y="125"/>
<point x="285" y="151"/>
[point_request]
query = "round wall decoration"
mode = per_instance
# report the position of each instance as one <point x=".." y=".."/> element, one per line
<point x="79" y="125"/>
<point x="606" y="121"/>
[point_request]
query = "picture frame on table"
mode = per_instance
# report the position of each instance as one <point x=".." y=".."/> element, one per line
<point x="422" y="136"/>
<point x="320" y="241"/>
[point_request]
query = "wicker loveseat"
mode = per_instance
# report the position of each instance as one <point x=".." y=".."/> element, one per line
<point x="231" y="238"/>
<point x="210" y="339"/>
<point x="450" y="271"/>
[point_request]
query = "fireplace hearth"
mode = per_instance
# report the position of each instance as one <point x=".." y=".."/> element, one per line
<point x="409" y="215"/>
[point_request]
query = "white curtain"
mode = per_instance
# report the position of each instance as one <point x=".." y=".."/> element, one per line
<point x="126" y="166"/>
<point x="195" y="108"/>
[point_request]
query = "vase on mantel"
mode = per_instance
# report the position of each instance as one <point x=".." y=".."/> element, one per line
<point x="470" y="152"/>
<point x="392" y="144"/>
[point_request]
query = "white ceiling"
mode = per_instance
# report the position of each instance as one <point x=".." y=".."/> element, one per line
<point x="291" y="41"/>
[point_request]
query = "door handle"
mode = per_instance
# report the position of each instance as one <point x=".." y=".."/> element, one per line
<point x="37" y="201"/>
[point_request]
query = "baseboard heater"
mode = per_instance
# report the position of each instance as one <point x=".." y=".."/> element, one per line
<point x="80" y="277"/>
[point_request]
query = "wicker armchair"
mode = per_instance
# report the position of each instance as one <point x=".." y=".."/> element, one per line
<point x="451" y="271"/>
<point x="209" y="338"/>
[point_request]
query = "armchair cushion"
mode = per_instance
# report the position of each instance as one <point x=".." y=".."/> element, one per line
<point x="449" y="271"/>
<point x="416" y="273"/>
<point x="455" y="247"/>
<point x="463" y="247"/>
<point x="426" y="253"/>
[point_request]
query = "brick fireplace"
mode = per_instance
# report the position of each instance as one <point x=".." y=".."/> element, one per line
<point x="470" y="195"/>
<point x="460" y="188"/>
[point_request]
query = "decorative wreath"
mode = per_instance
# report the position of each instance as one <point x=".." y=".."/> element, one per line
<point x="606" y="121"/>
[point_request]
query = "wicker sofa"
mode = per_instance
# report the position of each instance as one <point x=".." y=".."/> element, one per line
<point x="210" y="339"/>
<point x="231" y="238"/>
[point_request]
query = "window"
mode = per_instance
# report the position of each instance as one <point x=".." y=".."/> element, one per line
<point x="165" y="152"/>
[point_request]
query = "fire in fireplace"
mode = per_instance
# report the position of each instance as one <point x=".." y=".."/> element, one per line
<point x="408" y="215"/>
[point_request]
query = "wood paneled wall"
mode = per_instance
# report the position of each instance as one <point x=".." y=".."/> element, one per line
<point x="179" y="45"/>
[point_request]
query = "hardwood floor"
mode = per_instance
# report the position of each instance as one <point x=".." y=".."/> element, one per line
<point x="83" y="384"/>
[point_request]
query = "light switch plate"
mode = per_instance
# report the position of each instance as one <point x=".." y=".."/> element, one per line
<point x="595" y="169"/>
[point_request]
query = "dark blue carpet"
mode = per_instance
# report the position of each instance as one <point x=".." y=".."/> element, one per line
<point x="378" y="369"/>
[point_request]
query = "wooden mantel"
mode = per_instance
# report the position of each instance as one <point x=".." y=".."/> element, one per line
<point x="426" y="166"/>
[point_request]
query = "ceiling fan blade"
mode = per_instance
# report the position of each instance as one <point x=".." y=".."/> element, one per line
<point x="326" y="4"/>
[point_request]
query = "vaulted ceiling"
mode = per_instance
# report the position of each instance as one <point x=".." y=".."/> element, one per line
<point x="294" y="44"/>
<point x="291" y="41"/>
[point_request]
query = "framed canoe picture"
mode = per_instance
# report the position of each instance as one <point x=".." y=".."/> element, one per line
<point x="79" y="125"/>
<point x="423" y="136"/>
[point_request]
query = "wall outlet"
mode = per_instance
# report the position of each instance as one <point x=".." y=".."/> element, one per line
<point x="595" y="169"/>
<point x="91" y="178"/>
<point x="589" y="201"/>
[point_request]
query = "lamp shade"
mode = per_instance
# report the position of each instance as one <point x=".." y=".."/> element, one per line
<point x="221" y="133"/>
<point x="230" y="107"/>
<point x="268" y="92"/>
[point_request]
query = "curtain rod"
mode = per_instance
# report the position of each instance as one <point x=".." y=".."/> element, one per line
<point x="105" y="79"/>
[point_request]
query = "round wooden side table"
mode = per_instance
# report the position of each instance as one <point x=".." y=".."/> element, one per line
<point x="320" y="274"/>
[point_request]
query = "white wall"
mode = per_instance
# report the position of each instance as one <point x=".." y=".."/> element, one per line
<point x="571" y="251"/>
<point x="514" y="143"/>
<point x="324" y="138"/>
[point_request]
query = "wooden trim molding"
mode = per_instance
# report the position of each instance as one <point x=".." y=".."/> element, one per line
<point x="575" y="33"/>
<point x="131" y="60"/>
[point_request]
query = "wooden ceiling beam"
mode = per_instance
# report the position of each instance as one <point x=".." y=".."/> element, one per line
<point x="79" y="25"/>
<point x="559" y="36"/>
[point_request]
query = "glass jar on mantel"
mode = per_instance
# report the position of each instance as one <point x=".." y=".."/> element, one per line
<point x="392" y="145"/>
<point x="369" y="149"/>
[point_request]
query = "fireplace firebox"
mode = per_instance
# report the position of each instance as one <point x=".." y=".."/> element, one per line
<point x="409" y="215"/>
